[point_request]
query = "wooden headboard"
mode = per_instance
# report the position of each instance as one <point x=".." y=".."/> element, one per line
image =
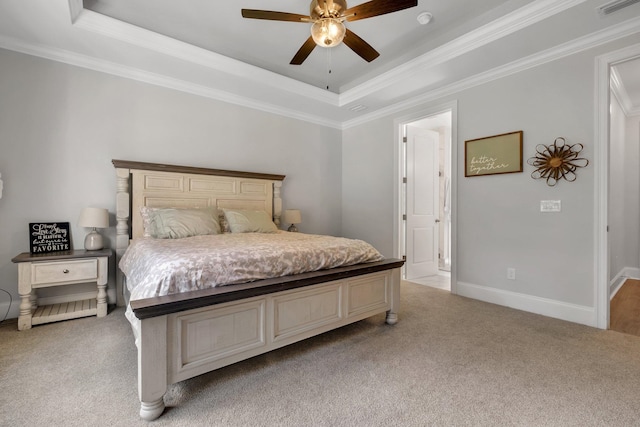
<point x="157" y="185"/>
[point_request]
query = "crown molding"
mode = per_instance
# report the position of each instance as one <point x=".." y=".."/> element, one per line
<point x="131" y="34"/>
<point x="91" y="63"/>
<point x="125" y="32"/>
<point x="508" y="24"/>
<point x="530" y="14"/>
<point x="624" y="29"/>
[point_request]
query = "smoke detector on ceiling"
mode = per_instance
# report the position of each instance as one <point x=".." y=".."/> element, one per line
<point x="614" y="6"/>
<point x="425" y="17"/>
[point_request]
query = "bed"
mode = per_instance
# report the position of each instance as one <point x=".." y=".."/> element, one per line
<point x="185" y="334"/>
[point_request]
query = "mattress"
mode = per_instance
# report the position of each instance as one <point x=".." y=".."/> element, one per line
<point x="157" y="267"/>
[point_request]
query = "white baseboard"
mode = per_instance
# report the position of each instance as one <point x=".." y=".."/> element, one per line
<point x="544" y="306"/>
<point x="626" y="273"/>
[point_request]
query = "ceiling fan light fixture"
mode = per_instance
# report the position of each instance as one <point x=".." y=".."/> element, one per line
<point x="328" y="32"/>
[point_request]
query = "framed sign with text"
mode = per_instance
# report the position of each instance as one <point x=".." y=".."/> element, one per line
<point x="493" y="155"/>
<point x="47" y="237"/>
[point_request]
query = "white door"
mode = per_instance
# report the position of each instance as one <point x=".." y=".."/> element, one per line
<point x="422" y="202"/>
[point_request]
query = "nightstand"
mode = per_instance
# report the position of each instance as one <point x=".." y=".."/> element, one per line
<point x="59" y="269"/>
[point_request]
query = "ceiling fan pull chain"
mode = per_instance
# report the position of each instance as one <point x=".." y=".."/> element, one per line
<point x="328" y="66"/>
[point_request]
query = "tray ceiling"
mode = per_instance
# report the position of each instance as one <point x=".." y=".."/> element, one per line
<point x="207" y="48"/>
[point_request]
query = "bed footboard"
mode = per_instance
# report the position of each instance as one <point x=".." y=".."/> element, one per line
<point x="177" y="346"/>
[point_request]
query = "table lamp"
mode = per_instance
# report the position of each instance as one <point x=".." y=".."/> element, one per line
<point x="293" y="217"/>
<point x="94" y="218"/>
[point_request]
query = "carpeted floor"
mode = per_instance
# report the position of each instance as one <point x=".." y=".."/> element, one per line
<point x="450" y="361"/>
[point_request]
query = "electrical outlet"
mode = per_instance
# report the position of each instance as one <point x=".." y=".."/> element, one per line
<point x="511" y="273"/>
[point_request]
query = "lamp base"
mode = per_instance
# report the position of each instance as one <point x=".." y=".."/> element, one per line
<point x="292" y="228"/>
<point x="93" y="241"/>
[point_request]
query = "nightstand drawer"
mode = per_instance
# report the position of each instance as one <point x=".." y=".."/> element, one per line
<point x="66" y="271"/>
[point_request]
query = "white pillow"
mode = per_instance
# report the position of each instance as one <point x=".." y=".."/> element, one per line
<point x="175" y="223"/>
<point x="246" y="221"/>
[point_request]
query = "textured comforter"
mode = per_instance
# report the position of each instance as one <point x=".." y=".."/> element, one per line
<point x="156" y="267"/>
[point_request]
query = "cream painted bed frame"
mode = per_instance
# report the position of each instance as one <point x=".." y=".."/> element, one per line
<point x="182" y="336"/>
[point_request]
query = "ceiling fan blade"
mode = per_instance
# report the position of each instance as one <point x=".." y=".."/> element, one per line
<point x="360" y="46"/>
<point x="377" y="7"/>
<point x="273" y="16"/>
<point x="303" y="52"/>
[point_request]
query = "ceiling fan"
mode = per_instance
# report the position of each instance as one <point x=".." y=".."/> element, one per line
<point x="328" y="29"/>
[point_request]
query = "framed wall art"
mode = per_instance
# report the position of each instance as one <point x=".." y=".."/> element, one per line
<point x="47" y="237"/>
<point x="493" y="155"/>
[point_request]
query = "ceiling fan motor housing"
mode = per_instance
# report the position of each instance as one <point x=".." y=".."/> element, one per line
<point x="327" y="9"/>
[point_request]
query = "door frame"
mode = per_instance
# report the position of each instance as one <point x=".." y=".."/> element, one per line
<point x="601" y="166"/>
<point x="399" y="122"/>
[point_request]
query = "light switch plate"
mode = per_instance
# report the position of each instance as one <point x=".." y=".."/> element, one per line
<point x="550" y="206"/>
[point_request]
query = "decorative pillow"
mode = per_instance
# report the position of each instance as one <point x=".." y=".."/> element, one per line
<point x="224" y="225"/>
<point x="174" y="223"/>
<point x="145" y="212"/>
<point x="245" y="221"/>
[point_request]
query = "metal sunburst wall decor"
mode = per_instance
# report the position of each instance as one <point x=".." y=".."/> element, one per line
<point x="557" y="161"/>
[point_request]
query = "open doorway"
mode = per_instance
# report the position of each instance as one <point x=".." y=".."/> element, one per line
<point x="624" y="196"/>
<point x="610" y="269"/>
<point x="426" y="220"/>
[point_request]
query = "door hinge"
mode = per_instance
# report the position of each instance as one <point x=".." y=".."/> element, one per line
<point x="404" y="217"/>
<point x="404" y="180"/>
<point x="404" y="257"/>
<point x="404" y="139"/>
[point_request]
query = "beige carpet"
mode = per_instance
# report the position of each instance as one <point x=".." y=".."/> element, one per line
<point x="450" y="361"/>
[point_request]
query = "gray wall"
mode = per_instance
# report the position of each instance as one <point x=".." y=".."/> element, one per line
<point x="60" y="127"/>
<point x="632" y="190"/>
<point x="499" y="223"/>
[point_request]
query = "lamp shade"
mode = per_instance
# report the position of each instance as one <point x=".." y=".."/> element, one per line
<point x="292" y="216"/>
<point x="94" y="218"/>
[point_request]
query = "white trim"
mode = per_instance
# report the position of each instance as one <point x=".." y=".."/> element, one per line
<point x="96" y="22"/>
<point x="601" y="177"/>
<point x="547" y="307"/>
<point x="598" y="38"/>
<point x="119" y="30"/>
<point x="454" y="197"/>
<point x="508" y="24"/>
<point x="616" y="283"/>
<point x="602" y="92"/>
<point x="632" y="273"/>
<point x="120" y="70"/>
